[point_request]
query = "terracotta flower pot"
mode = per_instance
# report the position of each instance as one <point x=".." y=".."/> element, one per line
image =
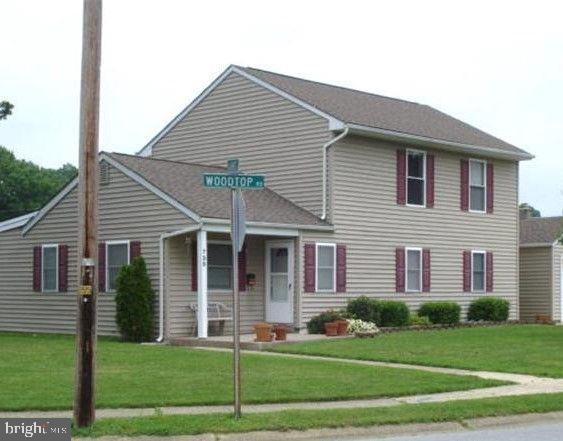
<point x="331" y="329"/>
<point x="281" y="332"/>
<point x="342" y="327"/>
<point x="263" y="332"/>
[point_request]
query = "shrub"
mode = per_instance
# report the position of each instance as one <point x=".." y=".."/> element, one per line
<point x="357" y="325"/>
<point x="393" y="313"/>
<point x="317" y="323"/>
<point x="364" y="308"/>
<point x="490" y="309"/>
<point x="445" y="313"/>
<point x="134" y="302"/>
<point x="419" y="320"/>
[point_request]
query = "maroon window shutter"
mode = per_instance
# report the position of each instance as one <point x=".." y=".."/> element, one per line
<point x="194" y="266"/>
<point x="426" y="270"/>
<point x="134" y="249"/>
<point x="242" y="269"/>
<point x="490" y="188"/>
<point x="310" y="262"/>
<point x="102" y="267"/>
<point x="400" y="269"/>
<point x="430" y="181"/>
<point x="467" y="271"/>
<point x="37" y="268"/>
<point x="464" y="185"/>
<point x="401" y="177"/>
<point x="340" y="268"/>
<point x="489" y="271"/>
<point x="63" y="268"/>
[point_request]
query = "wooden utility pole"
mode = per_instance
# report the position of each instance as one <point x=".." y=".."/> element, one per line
<point x="84" y="410"/>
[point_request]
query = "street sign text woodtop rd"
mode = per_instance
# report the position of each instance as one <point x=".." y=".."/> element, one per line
<point x="220" y="180"/>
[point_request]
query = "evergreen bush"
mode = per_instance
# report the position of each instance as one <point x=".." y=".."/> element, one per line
<point x="443" y="313"/>
<point x="491" y="309"/>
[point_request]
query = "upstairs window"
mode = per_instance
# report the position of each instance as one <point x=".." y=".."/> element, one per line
<point x="416" y="178"/>
<point x="326" y="264"/>
<point x="478" y="271"/>
<point x="220" y="266"/>
<point x="477" y="185"/>
<point x="49" y="270"/>
<point x="117" y="256"/>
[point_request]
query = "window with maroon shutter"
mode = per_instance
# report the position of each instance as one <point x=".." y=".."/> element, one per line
<point x="401" y="177"/>
<point x="49" y="268"/>
<point x="63" y="268"/>
<point x="340" y="268"/>
<point x="134" y="249"/>
<point x="242" y="269"/>
<point x="478" y="271"/>
<point x="467" y="271"/>
<point x="430" y="181"/>
<point x="400" y="269"/>
<point x="102" y="267"/>
<point x="426" y="274"/>
<point x="464" y="185"/>
<point x="37" y="252"/>
<point x="489" y="267"/>
<point x="194" y="266"/>
<point x="490" y="188"/>
<point x="309" y="267"/>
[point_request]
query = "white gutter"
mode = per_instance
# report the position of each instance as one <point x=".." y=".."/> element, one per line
<point x="220" y="221"/>
<point x="164" y="236"/>
<point x="325" y="159"/>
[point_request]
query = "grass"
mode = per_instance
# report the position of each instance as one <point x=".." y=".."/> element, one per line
<point x="525" y="349"/>
<point x="169" y="425"/>
<point x="37" y="373"/>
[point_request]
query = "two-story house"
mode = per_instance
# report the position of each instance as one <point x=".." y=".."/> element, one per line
<point x="366" y="195"/>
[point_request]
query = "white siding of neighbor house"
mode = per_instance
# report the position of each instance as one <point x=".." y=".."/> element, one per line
<point x="127" y="211"/>
<point x="369" y="222"/>
<point x="536" y="282"/>
<point x="269" y="134"/>
<point x="557" y="289"/>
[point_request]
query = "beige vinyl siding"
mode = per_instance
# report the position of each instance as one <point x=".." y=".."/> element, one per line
<point x="269" y="134"/>
<point x="536" y="286"/>
<point x="557" y="288"/>
<point x="180" y="320"/>
<point x="127" y="211"/>
<point x="370" y="223"/>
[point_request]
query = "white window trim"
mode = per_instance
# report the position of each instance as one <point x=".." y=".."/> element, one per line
<point x="482" y="161"/>
<point x="423" y="178"/>
<point x="323" y="244"/>
<point x="116" y="242"/>
<point x="56" y="246"/>
<point x="218" y="242"/>
<point x="407" y="249"/>
<point x="484" y="253"/>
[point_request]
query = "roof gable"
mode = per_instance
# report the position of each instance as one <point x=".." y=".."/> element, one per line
<point x="541" y="230"/>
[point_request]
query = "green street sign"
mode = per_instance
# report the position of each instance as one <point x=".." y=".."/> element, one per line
<point x="245" y="182"/>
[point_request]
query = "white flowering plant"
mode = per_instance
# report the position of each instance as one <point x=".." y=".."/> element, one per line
<point x="356" y="325"/>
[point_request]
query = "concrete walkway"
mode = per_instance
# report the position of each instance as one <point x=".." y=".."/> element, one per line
<point x="523" y="385"/>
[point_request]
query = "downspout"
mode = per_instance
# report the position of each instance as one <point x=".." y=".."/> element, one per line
<point x="325" y="160"/>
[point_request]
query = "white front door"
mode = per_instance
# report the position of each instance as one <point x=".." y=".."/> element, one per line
<point x="279" y="281"/>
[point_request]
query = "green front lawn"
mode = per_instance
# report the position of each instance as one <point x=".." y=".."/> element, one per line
<point x="525" y="349"/>
<point x="170" y="425"/>
<point x="37" y="372"/>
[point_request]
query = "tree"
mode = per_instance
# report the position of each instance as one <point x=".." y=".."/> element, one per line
<point x="533" y="211"/>
<point x="134" y="302"/>
<point x="5" y="109"/>
<point x="26" y="187"/>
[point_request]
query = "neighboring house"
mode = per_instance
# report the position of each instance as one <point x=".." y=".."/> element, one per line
<point x="367" y="195"/>
<point x="541" y="269"/>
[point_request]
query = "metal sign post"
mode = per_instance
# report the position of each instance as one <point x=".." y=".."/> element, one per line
<point x="236" y="181"/>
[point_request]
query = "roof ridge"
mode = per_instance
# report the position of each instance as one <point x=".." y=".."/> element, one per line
<point x="165" y="160"/>
<point x="543" y="218"/>
<point x="331" y="85"/>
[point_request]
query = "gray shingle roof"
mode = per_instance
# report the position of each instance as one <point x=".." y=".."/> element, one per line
<point x="538" y="230"/>
<point x="184" y="182"/>
<point x="380" y="112"/>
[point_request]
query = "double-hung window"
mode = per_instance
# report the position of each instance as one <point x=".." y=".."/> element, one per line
<point x="326" y="267"/>
<point x="117" y="254"/>
<point x="416" y="178"/>
<point x="220" y="265"/>
<point x="414" y="270"/>
<point x="49" y="270"/>
<point x="478" y="271"/>
<point x="477" y="185"/>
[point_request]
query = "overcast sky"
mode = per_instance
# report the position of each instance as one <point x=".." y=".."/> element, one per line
<point x="496" y="65"/>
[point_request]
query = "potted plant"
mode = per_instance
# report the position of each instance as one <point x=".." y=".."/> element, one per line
<point x="263" y="332"/>
<point x="342" y="327"/>
<point x="331" y="329"/>
<point x="281" y="332"/>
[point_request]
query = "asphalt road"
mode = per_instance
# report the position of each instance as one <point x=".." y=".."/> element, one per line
<point x="530" y="432"/>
